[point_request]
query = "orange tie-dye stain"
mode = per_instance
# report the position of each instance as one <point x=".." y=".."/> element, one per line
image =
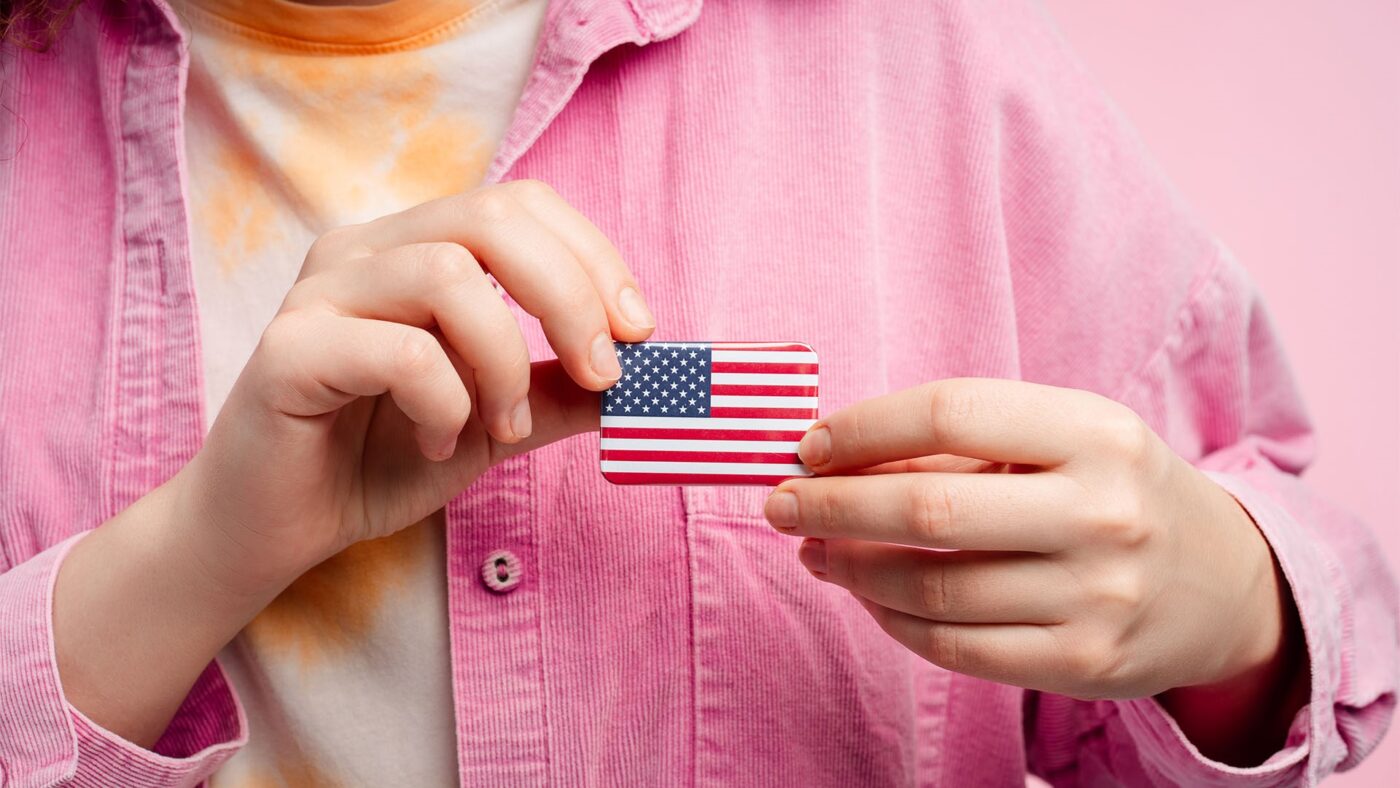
<point x="238" y="217"/>
<point x="289" y="771"/>
<point x="333" y="607"/>
<point x="332" y="140"/>
<point x="356" y="137"/>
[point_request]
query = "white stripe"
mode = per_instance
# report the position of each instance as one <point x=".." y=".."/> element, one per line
<point x="649" y="444"/>
<point x="707" y="424"/>
<point x="725" y="468"/>
<point x="770" y="356"/>
<point x="745" y="379"/>
<point x="719" y="401"/>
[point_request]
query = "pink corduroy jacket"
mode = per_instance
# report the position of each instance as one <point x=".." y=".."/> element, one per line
<point x="919" y="190"/>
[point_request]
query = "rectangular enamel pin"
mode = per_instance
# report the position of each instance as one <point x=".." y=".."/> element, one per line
<point x="708" y="413"/>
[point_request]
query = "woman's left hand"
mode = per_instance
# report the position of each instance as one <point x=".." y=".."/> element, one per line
<point x="1036" y="536"/>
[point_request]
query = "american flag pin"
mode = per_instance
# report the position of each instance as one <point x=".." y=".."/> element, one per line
<point x="708" y="413"/>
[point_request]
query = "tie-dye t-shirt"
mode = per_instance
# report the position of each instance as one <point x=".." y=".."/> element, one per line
<point x="300" y="119"/>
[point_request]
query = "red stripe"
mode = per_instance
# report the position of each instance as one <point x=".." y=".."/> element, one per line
<point x="765" y="368"/>
<point x="667" y="433"/>
<point x="696" y="456"/>
<point x="796" y="346"/>
<point x="764" y="413"/>
<point x="691" y="478"/>
<point x="763" y="391"/>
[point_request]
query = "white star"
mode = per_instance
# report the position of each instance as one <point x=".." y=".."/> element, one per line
<point x="700" y="408"/>
<point x="655" y="401"/>
<point x="673" y="401"/>
<point x="692" y="354"/>
<point x="663" y="408"/>
<point x="646" y="408"/>
<point x="626" y="408"/>
<point x="610" y="407"/>
<point x="682" y="409"/>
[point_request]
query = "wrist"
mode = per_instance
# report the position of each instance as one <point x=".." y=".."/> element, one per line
<point x="1265" y="604"/>
<point x="130" y="595"/>
<point x="1241" y="712"/>
<point x="224" y="558"/>
<point x="194" y="556"/>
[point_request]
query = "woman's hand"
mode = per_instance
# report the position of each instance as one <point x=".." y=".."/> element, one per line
<point x="1037" y="536"/>
<point x="393" y="375"/>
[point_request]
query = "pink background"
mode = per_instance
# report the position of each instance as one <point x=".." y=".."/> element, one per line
<point x="1281" y="123"/>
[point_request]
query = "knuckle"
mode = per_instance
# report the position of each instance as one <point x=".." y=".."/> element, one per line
<point x="532" y="189"/>
<point x="1099" y="666"/>
<point x="825" y="514"/>
<point x="282" y="335"/>
<point x="330" y="245"/>
<point x="1120" y="592"/>
<point x="304" y="293"/>
<point x="446" y="264"/>
<point x="1120" y="518"/>
<point x="932" y="509"/>
<point x="950" y="406"/>
<point x="943" y="648"/>
<point x="493" y="205"/>
<point x="932" y="592"/>
<point x="1126" y="437"/>
<point x="416" y="354"/>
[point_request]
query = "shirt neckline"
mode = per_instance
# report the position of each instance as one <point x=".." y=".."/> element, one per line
<point x="349" y="29"/>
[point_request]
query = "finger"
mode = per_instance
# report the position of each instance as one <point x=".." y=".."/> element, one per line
<point x="958" y="587"/>
<point x="1027" y="512"/>
<point x="1019" y="654"/>
<point x="628" y="314"/>
<point x="531" y="263"/>
<point x="310" y="364"/>
<point x="997" y="420"/>
<point x="440" y="284"/>
<point x="561" y="410"/>
<point x="935" y="463"/>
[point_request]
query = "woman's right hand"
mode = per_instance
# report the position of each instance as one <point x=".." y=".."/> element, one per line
<point x="393" y="375"/>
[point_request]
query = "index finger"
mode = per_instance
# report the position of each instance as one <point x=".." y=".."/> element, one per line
<point x="1007" y="421"/>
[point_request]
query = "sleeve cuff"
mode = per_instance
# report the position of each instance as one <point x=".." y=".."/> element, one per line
<point x="1310" y="571"/>
<point x="45" y="740"/>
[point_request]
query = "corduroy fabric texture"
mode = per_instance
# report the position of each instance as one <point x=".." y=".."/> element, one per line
<point x="917" y="191"/>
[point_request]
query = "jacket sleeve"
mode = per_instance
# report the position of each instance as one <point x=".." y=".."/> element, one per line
<point x="46" y="741"/>
<point x="1219" y="392"/>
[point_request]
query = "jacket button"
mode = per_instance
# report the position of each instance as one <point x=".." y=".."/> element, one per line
<point x="501" y="571"/>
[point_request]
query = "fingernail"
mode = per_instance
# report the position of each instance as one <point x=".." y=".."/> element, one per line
<point x="781" y="510"/>
<point x="634" y="308"/>
<point x="447" y="448"/>
<point x="815" y="448"/>
<point x="812" y="554"/>
<point x="520" y="422"/>
<point x="604" y="358"/>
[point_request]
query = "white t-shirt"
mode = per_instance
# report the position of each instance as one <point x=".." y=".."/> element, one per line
<point x="299" y="119"/>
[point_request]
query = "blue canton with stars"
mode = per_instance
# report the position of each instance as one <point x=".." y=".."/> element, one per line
<point x="660" y="381"/>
